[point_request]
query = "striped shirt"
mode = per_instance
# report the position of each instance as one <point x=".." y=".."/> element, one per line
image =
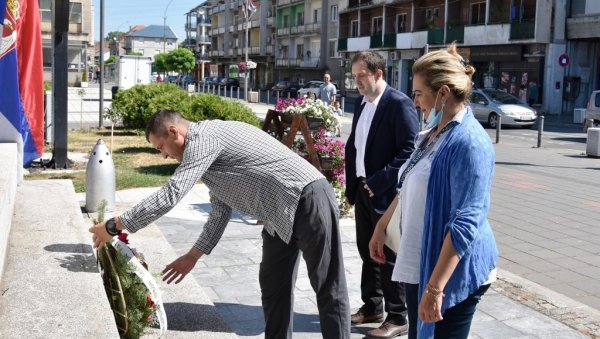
<point x="244" y="168"/>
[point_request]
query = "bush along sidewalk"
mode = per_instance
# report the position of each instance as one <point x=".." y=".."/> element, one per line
<point x="134" y="106"/>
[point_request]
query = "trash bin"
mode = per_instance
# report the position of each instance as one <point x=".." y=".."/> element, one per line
<point x="114" y="90"/>
<point x="593" y="142"/>
<point x="578" y="115"/>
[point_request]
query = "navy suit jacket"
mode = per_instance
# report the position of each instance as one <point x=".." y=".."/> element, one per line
<point x="390" y="143"/>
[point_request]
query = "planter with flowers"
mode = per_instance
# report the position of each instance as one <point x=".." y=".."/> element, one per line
<point x="318" y="115"/>
<point x="331" y="155"/>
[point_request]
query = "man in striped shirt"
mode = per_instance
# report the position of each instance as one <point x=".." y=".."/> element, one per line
<point x="246" y="169"/>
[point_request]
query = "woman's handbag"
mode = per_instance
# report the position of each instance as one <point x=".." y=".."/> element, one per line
<point x="393" y="231"/>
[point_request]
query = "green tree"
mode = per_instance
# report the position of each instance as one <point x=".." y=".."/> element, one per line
<point x="115" y="34"/>
<point x="111" y="59"/>
<point x="160" y="62"/>
<point x="181" y="60"/>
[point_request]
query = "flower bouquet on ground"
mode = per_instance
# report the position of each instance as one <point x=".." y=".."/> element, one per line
<point x="309" y="108"/>
<point x="132" y="292"/>
<point x="331" y="152"/>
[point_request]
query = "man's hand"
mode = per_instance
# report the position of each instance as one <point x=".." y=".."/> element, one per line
<point x="99" y="234"/>
<point x="376" y="244"/>
<point x="371" y="194"/>
<point x="179" y="268"/>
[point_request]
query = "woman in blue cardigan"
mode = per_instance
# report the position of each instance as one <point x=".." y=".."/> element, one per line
<point x="447" y="253"/>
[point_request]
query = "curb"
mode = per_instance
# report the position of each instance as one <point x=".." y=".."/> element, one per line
<point x="572" y="313"/>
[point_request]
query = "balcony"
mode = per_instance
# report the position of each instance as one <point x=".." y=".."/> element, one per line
<point x="190" y="26"/>
<point x="342" y="44"/>
<point x="270" y="21"/>
<point x="231" y="29"/>
<point x="269" y="50"/>
<point x="283" y="31"/>
<point x="359" y="3"/>
<point x="389" y="40"/>
<point x="314" y="28"/>
<point x="254" y="50"/>
<point x="287" y="2"/>
<point x="203" y="40"/>
<point x="522" y="30"/>
<point x="221" y="30"/>
<point x="456" y="33"/>
<point x="203" y="22"/>
<point x="435" y="36"/>
<point x="202" y="57"/>
<point x="221" y="53"/>
<point x="376" y="41"/>
<point x="309" y="63"/>
<point x="287" y="62"/>
<point x="297" y="30"/>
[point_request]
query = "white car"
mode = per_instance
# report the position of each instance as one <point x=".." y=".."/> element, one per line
<point x="489" y="104"/>
<point x="310" y="87"/>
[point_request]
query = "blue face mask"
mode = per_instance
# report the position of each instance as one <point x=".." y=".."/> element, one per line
<point x="434" y="117"/>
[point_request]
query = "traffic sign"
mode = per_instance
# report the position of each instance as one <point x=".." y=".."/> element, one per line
<point x="563" y="60"/>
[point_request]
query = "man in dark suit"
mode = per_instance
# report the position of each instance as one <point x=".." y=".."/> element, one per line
<point x="384" y="128"/>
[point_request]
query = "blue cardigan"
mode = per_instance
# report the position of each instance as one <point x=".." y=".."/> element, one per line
<point x="458" y="199"/>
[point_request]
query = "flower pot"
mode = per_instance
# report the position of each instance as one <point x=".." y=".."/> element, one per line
<point x="84" y="84"/>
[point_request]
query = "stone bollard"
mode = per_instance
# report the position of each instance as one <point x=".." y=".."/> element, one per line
<point x="100" y="179"/>
<point x="540" y="130"/>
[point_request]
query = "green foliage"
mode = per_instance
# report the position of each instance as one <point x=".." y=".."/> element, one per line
<point x="209" y="107"/>
<point x="136" y="53"/>
<point x="180" y="60"/>
<point x="84" y="76"/>
<point x="111" y="59"/>
<point x="134" y="106"/>
<point x="137" y="104"/>
<point x="160" y="62"/>
<point x="47" y="85"/>
<point x="114" y="34"/>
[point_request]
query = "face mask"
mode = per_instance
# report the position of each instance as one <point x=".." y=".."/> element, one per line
<point x="434" y="117"/>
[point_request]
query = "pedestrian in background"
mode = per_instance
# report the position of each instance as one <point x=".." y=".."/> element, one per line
<point x="384" y="128"/>
<point x="327" y="91"/>
<point x="338" y="113"/>
<point x="447" y="253"/>
<point x="158" y="79"/>
<point x="248" y="170"/>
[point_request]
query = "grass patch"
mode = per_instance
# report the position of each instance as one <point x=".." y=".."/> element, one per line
<point x="137" y="164"/>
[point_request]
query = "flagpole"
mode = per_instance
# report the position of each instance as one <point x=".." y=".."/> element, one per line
<point x="247" y="16"/>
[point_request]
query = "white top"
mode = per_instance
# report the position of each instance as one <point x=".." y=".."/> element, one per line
<point x="362" y="132"/>
<point x="413" y="195"/>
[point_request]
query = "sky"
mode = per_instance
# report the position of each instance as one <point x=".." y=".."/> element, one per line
<point x="120" y="14"/>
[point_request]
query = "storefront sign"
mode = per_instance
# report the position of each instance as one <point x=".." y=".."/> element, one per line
<point x="496" y="53"/>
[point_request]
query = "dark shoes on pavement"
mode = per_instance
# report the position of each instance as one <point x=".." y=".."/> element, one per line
<point x="362" y="317"/>
<point x="388" y="330"/>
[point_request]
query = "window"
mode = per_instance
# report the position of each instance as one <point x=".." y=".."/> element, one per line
<point x="333" y="49"/>
<point x="300" y="51"/>
<point x="334" y="13"/>
<point x="478" y="13"/>
<point x="74" y="12"/>
<point x="401" y="23"/>
<point x="432" y="13"/>
<point x="477" y="98"/>
<point x="286" y="21"/>
<point x="354" y="29"/>
<point x="45" y="10"/>
<point x="300" y="19"/>
<point x="377" y="25"/>
<point x="236" y="18"/>
<point x="317" y="15"/>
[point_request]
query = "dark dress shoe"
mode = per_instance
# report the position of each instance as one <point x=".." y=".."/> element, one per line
<point x="361" y="317"/>
<point x="388" y="330"/>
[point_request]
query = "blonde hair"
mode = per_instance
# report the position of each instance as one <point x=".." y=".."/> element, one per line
<point x="446" y="67"/>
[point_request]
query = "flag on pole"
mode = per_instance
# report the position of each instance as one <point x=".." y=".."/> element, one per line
<point x="22" y="78"/>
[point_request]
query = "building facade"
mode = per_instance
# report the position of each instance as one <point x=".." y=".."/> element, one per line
<point x="197" y="26"/>
<point x="80" y="52"/>
<point x="151" y="40"/>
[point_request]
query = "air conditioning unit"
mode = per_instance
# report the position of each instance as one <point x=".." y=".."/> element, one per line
<point x="393" y="55"/>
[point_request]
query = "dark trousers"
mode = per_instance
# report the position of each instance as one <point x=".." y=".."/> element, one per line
<point x="376" y="283"/>
<point x="457" y="319"/>
<point x="316" y="234"/>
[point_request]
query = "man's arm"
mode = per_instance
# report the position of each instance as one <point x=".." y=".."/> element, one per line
<point x="406" y="129"/>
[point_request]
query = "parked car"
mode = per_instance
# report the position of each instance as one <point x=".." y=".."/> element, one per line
<point x="283" y="87"/>
<point x="186" y="80"/>
<point x="230" y="82"/>
<point x="210" y="81"/>
<point x="593" y="111"/>
<point x="489" y="104"/>
<point x="171" y="78"/>
<point x="313" y="86"/>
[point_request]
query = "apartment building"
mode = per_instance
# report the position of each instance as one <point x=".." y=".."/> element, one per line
<point x="80" y="52"/>
<point x="197" y="25"/>
<point x="151" y="40"/>
<point x="583" y="50"/>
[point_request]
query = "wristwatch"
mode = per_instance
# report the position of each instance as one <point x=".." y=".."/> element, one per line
<point x="111" y="227"/>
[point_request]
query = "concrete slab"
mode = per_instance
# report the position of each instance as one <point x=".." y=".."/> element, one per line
<point x="51" y="286"/>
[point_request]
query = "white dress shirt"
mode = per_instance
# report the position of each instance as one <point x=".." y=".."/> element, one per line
<point x="362" y="131"/>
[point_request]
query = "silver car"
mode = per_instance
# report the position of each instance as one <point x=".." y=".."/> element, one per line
<point x="489" y="104"/>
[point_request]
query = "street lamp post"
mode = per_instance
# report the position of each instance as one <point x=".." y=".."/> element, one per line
<point x="246" y="57"/>
<point x="165" y="26"/>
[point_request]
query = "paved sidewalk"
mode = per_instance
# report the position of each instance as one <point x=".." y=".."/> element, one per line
<point x="230" y="278"/>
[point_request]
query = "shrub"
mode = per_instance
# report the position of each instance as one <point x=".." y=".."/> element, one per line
<point x="134" y="106"/>
<point x="137" y="104"/>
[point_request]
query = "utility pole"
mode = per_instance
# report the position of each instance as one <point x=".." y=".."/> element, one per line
<point x="247" y="17"/>
<point x="165" y="27"/>
<point x="101" y="78"/>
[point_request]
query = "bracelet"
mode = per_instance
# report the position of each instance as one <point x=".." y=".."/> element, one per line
<point x="434" y="292"/>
